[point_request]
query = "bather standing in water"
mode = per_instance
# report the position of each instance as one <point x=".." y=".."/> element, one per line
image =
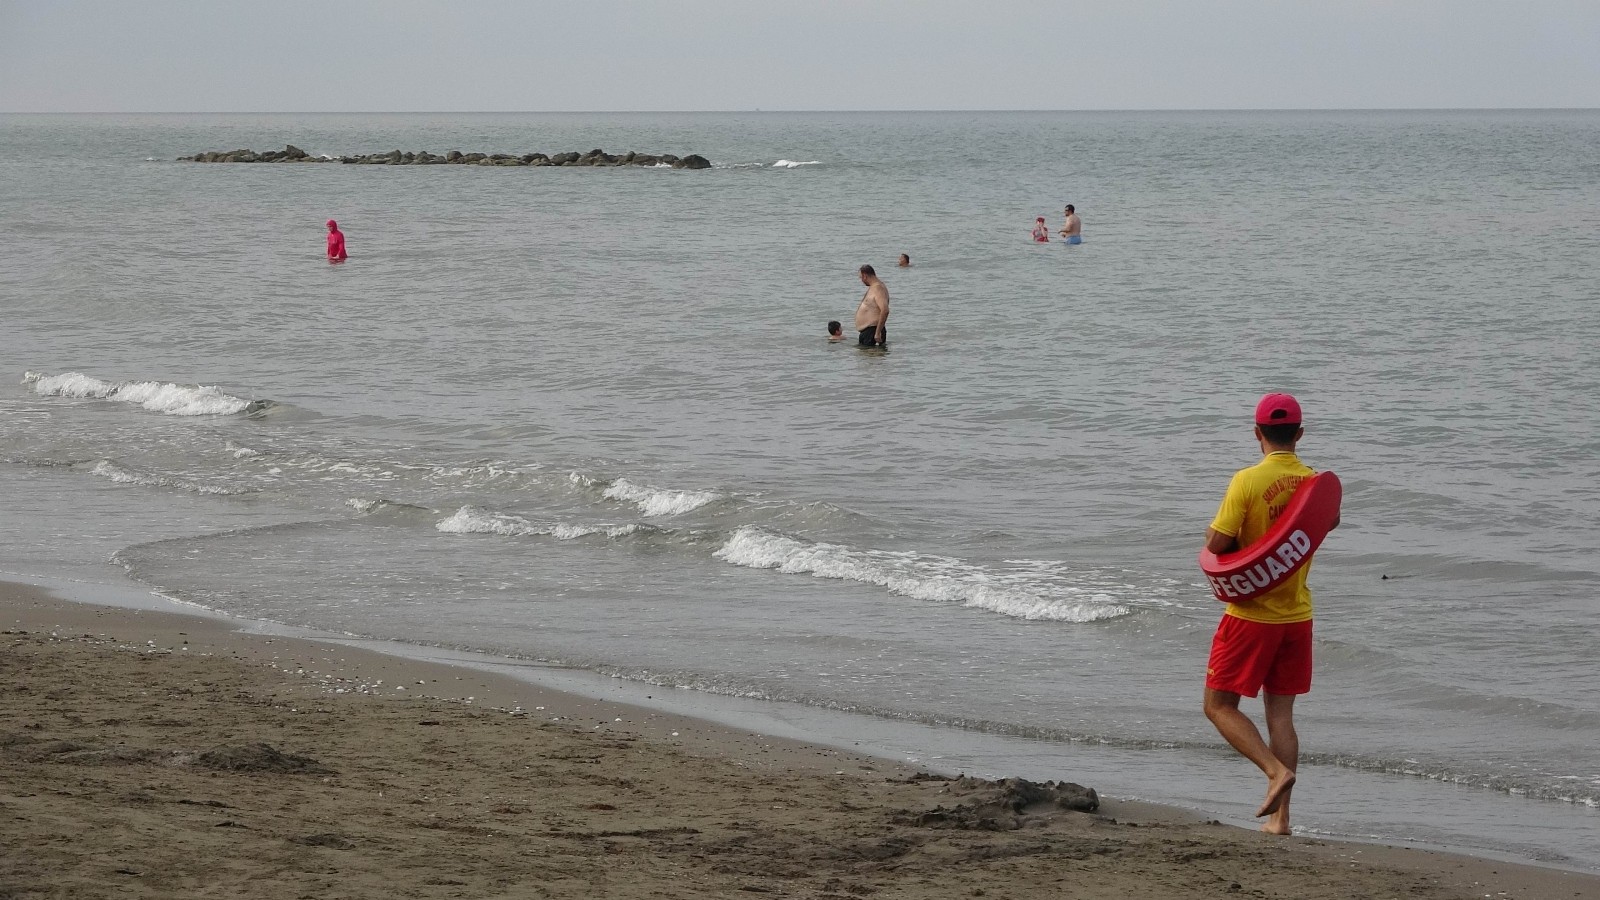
<point x="336" y="252"/>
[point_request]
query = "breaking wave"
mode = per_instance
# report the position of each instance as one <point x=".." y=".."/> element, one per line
<point x="160" y="397"/>
<point x="762" y="164"/>
<point x="392" y="474"/>
<point x="472" y="520"/>
<point x="120" y="474"/>
<point x="920" y="577"/>
<point x="369" y="505"/>
<point x="1562" y="789"/>
<point x="652" y="501"/>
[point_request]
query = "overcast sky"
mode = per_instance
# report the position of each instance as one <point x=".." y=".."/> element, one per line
<point x="499" y="55"/>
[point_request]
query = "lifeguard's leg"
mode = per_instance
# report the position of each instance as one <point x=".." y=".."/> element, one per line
<point x="1222" y="708"/>
<point x="1285" y="745"/>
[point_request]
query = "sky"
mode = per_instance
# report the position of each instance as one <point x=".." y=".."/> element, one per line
<point x="650" y="55"/>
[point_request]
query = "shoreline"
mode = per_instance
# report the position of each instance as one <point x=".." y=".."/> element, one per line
<point x="838" y="826"/>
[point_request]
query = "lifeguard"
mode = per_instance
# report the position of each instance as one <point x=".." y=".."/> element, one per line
<point x="1277" y="512"/>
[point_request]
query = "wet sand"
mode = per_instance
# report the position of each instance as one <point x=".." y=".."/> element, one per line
<point x="147" y="754"/>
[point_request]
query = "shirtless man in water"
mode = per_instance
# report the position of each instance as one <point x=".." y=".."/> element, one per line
<point x="1072" y="229"/>
<point x="873" y="314"/>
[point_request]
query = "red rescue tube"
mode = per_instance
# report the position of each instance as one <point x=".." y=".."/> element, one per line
<point x="1244" y="574"/>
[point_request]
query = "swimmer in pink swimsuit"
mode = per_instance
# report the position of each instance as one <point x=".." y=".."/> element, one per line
<point x="336" y="243"/>
<point x="1041" y="231"/>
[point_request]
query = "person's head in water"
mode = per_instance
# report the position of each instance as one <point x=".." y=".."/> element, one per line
<point x="835" y="330"/>
<point x="332" y="225"/>
<point x="905" y="261"/>
<point x="1071" y="209"/>
<point x="868" y="273"/>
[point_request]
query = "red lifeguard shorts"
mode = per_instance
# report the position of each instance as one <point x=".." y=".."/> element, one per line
<point x="1248" y="656"/>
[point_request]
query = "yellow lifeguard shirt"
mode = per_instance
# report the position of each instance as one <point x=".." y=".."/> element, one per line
<point x="1255" y="498"/>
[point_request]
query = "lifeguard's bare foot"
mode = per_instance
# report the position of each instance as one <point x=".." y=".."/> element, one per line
<point x="1276" y="827"/>
<point x="1277" y="792"/>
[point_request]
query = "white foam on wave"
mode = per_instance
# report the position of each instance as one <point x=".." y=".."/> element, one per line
<point x="330" y="468"/>
<point x="120" y="474"/>
<point x="654" y="501"/>
<point x="161" y="397"/>
<point x="795" y="164"/>
<point x="563" y="531"/>
<point x="484" y="470"/>
<point x="919" y="577"/>
<point x="472" y="520"/>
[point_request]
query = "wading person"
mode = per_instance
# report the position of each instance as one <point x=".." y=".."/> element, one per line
<point x="1072" y="228"/>
<point x="336" y="243"/>
<point x="1263" y="643"/>
<point x="872" y="316"/>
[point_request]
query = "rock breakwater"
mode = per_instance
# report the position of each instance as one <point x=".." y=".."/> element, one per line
<point x="292" y="154"/>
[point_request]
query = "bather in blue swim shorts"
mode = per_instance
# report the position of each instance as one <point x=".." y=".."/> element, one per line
<point x="1075" y="239"/>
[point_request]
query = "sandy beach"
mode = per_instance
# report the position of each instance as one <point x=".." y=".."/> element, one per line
<point x="148" y="754"/>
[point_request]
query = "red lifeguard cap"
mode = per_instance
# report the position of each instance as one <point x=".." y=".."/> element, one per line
<point x="1278" y="409"/>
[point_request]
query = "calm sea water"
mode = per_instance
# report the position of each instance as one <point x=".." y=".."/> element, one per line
<point x="590" y="416"/>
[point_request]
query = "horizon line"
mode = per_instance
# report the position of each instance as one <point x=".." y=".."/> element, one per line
<point x="479" y="112"/>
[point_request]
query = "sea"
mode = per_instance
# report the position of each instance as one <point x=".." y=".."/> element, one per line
<point x="588" y="419"/>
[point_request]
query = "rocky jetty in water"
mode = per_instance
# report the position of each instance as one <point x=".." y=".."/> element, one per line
<point x="292" y="154"/>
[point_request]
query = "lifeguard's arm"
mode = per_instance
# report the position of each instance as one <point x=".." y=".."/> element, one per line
<point x="1229" y="517"/>
<point x="1220" y="543"/>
